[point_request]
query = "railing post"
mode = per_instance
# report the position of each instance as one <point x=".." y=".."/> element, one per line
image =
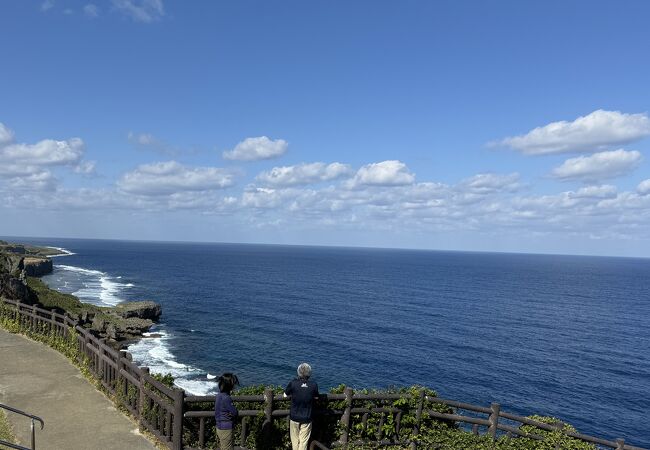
<point x="268" y="413"/>
<point x="177" y="428"/>
<point x="418" y="417"/>
<point x="346" y="418"/>
<point x="560" y="427"/>
<point x="244" y="431"/>
<point x="494" y="420"/>
<point x="620" y="444"/>
<point x="33" y="436"/>
<point x="53" y="326"/>
<point x="142" y="398"/>
<point x="119" y="376"/>
<point x="86" y="341"/>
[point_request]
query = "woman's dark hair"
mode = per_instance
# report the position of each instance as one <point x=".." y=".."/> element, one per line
<point x="227" y="382"/>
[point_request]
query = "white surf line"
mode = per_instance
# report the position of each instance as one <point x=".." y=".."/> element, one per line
<point x="153" y="351"/>
<point x="63" y="251"/>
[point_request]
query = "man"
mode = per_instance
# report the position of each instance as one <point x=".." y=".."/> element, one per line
<point x="303" y="393"/>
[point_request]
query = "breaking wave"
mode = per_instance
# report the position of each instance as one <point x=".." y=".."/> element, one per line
<point x="153" y="351"/>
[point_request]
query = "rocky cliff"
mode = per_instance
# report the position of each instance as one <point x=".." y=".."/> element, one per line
<point x="37" y="266"/>
<point x="121" y="324"/>
<point x="12" y="279"/>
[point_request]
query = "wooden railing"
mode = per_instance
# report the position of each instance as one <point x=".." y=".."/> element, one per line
<point x="478" y="419"/>
<point x="158" y="408"/>
<point x="168" y="412"/>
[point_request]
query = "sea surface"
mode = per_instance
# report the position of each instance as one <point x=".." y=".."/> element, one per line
<point x="566" y="336"/>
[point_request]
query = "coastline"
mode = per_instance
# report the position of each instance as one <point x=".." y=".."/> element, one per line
<point x="150" y="347"/>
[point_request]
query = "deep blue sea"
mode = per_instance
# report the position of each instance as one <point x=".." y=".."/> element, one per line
<point x="567" y="336"/>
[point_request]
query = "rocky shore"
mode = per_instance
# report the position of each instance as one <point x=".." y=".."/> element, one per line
<point x="20" y="267"/>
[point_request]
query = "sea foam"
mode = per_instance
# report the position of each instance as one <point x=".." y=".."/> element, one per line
<point x="94" y="286"/>
<point x="63" y="251"/>
<point x="153" y="351"/>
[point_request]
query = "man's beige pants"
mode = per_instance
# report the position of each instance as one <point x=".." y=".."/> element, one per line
<point x="299" y="433"/>
<point x="225" y="439"/>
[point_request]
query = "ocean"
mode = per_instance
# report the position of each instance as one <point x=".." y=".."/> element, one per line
<point x="565" y="336"/>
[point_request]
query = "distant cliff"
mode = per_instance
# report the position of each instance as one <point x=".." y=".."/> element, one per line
<point x="19" y="270"/>
<point x="37" y="266"/>
<point x="35" y="259"/>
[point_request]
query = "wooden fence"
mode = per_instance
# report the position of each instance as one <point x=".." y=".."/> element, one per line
<point x="158" y="408"/>
<point x="168" y="413"/>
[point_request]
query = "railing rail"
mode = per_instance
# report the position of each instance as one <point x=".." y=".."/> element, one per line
<point x="32" y="429"/>
<point x="165" y="411"/>
<point x="157" y="407"/>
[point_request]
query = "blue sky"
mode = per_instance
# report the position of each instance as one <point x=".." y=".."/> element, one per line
<point x="498" y="126"/>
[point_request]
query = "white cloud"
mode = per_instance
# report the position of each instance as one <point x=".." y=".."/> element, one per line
<point x="598" y="166"/>
<point x="600" y="130"/>
<point x="18" y="170"/>
<point x="40" y="181"/>
<point x="47" y="5"/>
<point x="142" y="138"/>
<point x="91" y="10"/>
<point x="25" y="167"/>
<point x="47" y="152"/>
<point x="590" y="212"/>
<point x="257" y="197"/>
<point x="306" y="173"/>
<point x="257" y="148"/>
<point x="148" y="141"/>
<point x="145" y="11"/>
<point x="603" y="191"/>
<point x="385" y="173"/>
<point x="484" y="183"/>
<point x="85" y="167"/>
<point x="6" y="135"/>
<point x="644" y="187"/>
<point x="170" y="177"/>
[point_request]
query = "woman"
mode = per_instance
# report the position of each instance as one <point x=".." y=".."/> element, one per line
<point x="224" y="411"/>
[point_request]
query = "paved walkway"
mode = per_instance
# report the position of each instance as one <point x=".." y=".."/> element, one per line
<point x="41" y="381"/>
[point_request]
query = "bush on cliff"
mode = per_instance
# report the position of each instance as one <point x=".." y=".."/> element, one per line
<point x="51" y="299"/>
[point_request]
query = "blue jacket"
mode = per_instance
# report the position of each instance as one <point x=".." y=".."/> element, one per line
<point x="302" y="392"/>
<point x="224" y="411"/>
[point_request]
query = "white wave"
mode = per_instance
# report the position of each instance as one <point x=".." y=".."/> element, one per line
<point x="153" y="352"/>
<point x="79" y="270"/>
<point x="98" y="287"/>
<point x="110" y="290"/>
<point x="197" y="387"/>
<point x="210" y="376"/>
<point x="63" y="251"/>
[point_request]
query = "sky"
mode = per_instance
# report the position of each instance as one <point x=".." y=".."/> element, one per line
<point x="455" y="125"/>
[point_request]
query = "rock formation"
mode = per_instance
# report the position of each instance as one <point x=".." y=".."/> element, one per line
<point x="37" y="266"/>
<point x="120" y="324"/>
<point x="141" y="310"/>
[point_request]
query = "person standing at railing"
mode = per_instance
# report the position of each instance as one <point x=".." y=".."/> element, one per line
<point x="224" y="410"/>
<point x="303" y="392"/>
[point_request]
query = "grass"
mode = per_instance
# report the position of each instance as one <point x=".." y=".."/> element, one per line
<point x="5" y="430"/>
<point x="50" y="298"/>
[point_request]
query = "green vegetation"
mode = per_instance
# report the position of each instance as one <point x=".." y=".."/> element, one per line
<point x="44" y="333"/>
<point x="51" y="299"/>
<point x="433" y="433"/>
<point x="5" y="430"/>
<point x="27" y="250"/>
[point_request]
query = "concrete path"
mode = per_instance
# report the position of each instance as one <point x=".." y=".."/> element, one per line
<point x="42" y="382"/>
